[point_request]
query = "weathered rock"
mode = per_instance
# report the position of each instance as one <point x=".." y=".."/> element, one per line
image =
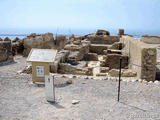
<point x="102" y="32"/>
<point x="98" y="48"/>
<point x="77" y="37"/>
<point x="91" y="57"/>
<point x="60" y="41"/>
<point x="42" y="41"/>
<point x="100" y="71"/>
<point x="74" y="57"/>
<point x="128" y="73"/>
<point x="112" y="51"/>
<point x="94" y="39"/>
<point x="124" y="73"/>
<point x="121" y="32"/>
<point x="27" y="70"/>
<point x="60" y="57"/>
<point x="72" y="47"/>
<point x="17" y="47"/>
<point x="116" y="46"/>
<point x="66" y="68"/>
<point x="93" y="64"/>
<point x="102" y="60"/>
<point x="77" y="42"/>
<point x="5" y="51"/>
<point x="113" y="61"/>
<point x="75" y="102"/>
<point x="69" y="82"/>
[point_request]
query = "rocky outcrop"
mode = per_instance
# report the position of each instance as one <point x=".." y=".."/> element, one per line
<point x="43" y="41"/>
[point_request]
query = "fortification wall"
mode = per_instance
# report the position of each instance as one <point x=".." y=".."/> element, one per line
<point x="142" y="57"/>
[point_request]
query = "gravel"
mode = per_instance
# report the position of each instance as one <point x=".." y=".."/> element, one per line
<point x="20" y="99"/>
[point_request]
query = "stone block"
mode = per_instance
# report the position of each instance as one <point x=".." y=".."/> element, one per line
<point x="102" y="32"/>
<point x="124" y="73"/>
<point x="91" y="57"/>
<point x="98" y="48"/>
<point x="94" y="39"/>
<point x="66" y="68"/>
<point x="113" y="61"/>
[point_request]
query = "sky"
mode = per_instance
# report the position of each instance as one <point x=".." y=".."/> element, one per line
<point x="80" y="14"/>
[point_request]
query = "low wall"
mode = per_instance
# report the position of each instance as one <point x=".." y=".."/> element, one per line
<point x="142" y="57"/>
<point x="5" y="51"/>
<point x="151" y="39"/>
<point x="95" y="39"/>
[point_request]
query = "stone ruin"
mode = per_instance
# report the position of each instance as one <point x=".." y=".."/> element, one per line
<point x="96" y="54"/>
<point x="5" y="50"/>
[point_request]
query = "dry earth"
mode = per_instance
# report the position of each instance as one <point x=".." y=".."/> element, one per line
<point x="22" y="100"/>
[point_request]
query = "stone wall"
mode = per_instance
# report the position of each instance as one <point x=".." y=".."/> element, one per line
<point x="42" y="41"/>
<point x="150" y="39"/>
<point x="142" y="57"/>
<point x="5" y="51"/>
<point x="103" y="39"/>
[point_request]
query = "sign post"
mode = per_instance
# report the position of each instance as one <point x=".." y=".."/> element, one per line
<point x="50" y="88"/>
<point x="119" y="83"/>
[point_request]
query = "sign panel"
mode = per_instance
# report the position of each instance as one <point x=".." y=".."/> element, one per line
<point x="42" y="55"/>
<point x="40" y="71"/>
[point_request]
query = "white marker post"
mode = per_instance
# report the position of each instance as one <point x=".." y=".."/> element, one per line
<point x="50" y="88"/>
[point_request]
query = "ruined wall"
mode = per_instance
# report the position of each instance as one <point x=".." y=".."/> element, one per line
<point x="150" y="39"/>
<point x="43" y="41"/>
<point x="60" y="42"/>
<point x="5" y="51"/>
<point x="142" y="57"/>
<point x="104" y="39"/>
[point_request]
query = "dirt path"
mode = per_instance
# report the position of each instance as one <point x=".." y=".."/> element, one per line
<point x="22" y="100"/>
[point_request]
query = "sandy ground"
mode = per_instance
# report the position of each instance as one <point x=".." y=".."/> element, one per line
<point x="22" y="100"/>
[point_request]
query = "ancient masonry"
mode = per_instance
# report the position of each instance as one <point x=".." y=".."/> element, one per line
<point x="5" y="51"/>
<point x="96" y="54"/>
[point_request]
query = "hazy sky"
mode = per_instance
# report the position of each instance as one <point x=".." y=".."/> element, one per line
<point x="128" y="14"/>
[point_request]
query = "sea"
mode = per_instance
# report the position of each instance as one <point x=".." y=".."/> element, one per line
<point x="22" y="33"/>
